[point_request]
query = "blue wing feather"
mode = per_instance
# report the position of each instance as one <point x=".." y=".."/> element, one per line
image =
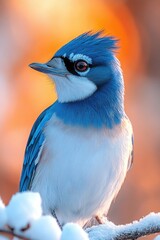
<point x="34" y="144"/>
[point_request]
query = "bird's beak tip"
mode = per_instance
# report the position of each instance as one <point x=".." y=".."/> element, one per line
<point x="38" y="66"/>
<point x="32" y="65"/>
<point x="45" y="68"/>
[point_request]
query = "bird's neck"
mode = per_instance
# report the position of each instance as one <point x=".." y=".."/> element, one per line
<point x="104" y="108"/>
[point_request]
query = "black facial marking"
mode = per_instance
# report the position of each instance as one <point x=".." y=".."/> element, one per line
<point x="70" y="66"/>
<point x="73" y="66"/>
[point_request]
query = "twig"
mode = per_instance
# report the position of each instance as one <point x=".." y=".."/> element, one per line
<point x="126" y="234"/>
<point x="11" y="233"/>
<point x="145" y="226"/>
<point x="109" y="231"/>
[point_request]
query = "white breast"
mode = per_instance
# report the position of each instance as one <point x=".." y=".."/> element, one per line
<point x="80" y="169"/>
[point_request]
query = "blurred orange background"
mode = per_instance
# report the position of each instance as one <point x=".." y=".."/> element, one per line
<point x="32" y="31"/>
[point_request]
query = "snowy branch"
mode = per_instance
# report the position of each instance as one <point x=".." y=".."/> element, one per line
<point x="145" y="226"/>
<point x="23" y="219"/>
<point x="11" y="233"/>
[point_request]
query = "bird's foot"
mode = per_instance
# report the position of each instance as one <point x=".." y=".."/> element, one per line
<point x="101" y="220"/>
<point x="97" y="220"/>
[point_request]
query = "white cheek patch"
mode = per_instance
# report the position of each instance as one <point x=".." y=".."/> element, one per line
<point x="73" y="88"/>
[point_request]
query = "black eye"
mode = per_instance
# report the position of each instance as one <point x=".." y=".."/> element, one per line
<point x="81" y="66"/>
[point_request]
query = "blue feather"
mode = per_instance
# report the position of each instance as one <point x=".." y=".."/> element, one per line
<point x="35" y="141"/>
<point x="94" y="45"/>
<point x="104" y="108"/>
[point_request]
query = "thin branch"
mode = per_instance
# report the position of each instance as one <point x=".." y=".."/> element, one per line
<point x="145" y="226"/>
<point x="11" y="233"/>
<point x="126" y="234"/>
<point x="109" y="231"/>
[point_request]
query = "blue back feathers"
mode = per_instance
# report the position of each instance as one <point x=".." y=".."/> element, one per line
<point x="34" y="144"/>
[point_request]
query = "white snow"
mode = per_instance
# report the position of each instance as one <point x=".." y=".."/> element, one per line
<point x="2" y="206"/>
<point x="4" y="238"/>
<point x="73" y="231"/>
<point x="3" y="216"/>
<point x="105" y="231"/>
<point x="45" y="227"/>
<point x="23" y="208"/>
<point x="24" y="215"/>
<point x="157" y="238"/>
<point x="109" y="231"/>
<point x="147" y="222"/>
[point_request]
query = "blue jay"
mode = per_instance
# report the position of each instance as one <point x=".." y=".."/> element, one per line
<point x="80" y="147"/>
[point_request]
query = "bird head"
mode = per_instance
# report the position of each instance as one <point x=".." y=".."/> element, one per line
<point x="81" y="66"/>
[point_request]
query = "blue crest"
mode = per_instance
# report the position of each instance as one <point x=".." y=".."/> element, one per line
<point x="92" y="44"/>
